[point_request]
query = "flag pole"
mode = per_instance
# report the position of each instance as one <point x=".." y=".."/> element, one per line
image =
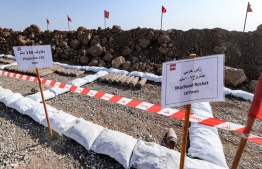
<point x="242" y="143"/>
<point x="161" y="19"/>
<point x="43" y="100"/>
<point x="68" y="25"/>
<point x="245" y="22"/>
<point x="105" y="21"/>
<point x="185" y="130"/>
<point x="47" y="25"/>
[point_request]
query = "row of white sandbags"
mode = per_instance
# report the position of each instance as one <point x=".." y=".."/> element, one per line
<point x="55" y="91"/>
<point x="125" y="149"/>
<point x="151" y="77"/>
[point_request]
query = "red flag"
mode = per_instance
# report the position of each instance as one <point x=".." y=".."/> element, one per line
<point x="249" y="7"/>
<point x="47" y="21"/>
<point x="163" y="9"/>
<point x="69" y="19"/>
<point x="255" y="110"/>
<point x="106" y="14"/>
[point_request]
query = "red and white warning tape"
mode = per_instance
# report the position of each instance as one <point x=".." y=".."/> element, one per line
<point x="153" y="108"/>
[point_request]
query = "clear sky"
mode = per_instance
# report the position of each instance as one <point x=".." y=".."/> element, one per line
<point x="181" y="14"/>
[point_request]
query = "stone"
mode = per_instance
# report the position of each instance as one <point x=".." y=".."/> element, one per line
<point x="111" y="39"/>
<point x="61" y="44"/>
<point x="84" y="60"/>
<point x="137" y="47"/>
<point x="93" y="63"/>
<point x="151" y="35"/>
<point x="220" y="49"/>
<point x="259" y="28"/>
<point x="96" y="50"/>
<point x="127" y="51"/>
<point x="163" y="39"/>
<point x="252" y="85"/>
<point x="234" y="76"/>
<point x="116" y="28"/>
<point x="21" y="42"/>
<point x="47" y="33"/>
<point x="95" y="40"/>
<point x="81" y="29"/>
<point x="74" y="43"/>
<point x="104" y="41"/>
<point x="136" y="66"/>
<point x="102" y="63"/>
<point x="163" y="50"/>
<point x="84" y="37"/>
<point x="127" y="65"/>
<point x="34" y="28"/>
<point x="108" y="57"/>
<point x="117" y="62"/>
<point x="143" y="43"/>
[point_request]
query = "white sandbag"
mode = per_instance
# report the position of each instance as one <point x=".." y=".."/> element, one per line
<point x="37" y="112"/>
<point x="136" y="73"/>
<point x="96" y="69"/>
<point x="60" y="121"/>
<point x="242" y="94"/>
<point x="204" y="140"/>
<point x="57" y="91"/>
<point x="116" y="145"/>
<point x="90" y="78"/>
<point x="22" y="104"/>
<point x="4" y="93"/>
<point x="200" y="164"/>
<point x="48" y="94"/>
<point x="149" y="155"/>
<point x="101" y="73"/>
<point x="1" y="55"/>
<point x="10" y="57"/>
<point x="227" y="91"/>
<point x="159" y="79"/>
<point x="79" y="82"/>
<point x="150" y="76"/>
<point x="117" y="71"/>
<point x="7" y="100"/>
<point x="83" y="132"/>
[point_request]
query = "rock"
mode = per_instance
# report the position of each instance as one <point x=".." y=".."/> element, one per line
<point x="127" y="65"/>
<point x="84" y="60"/>
<point x="151" y="35"/>
<point x="81" y="29"/>
<point x="34" y="28"/>
<point x="96" y="50"/>
<point x="117" y="62"/>
<point x="163" y="39"/>
<point x="84" y="37"/>
<point x="143" y="43"/>
<point x="108" y="57"/>
<point x="47" y="33"/>
<point x="21" y="42"/>
<point x="102" y="63"/>
<point x="252" y="85"/>
<point x="111" y="40"/>
<point x="104" y="40"/>
<point x="74" y="43"/>
<point x="95" y="40"/>
<point x="135" y="66"/>
<point x="163" y="50"/>
<point x="93" y="63"/>
<point x="234" y="76"/>
<point x="61" y="44"/>
<point x="116" y="28"/>
<point x="220" y="49"/>
<point x="138" y="48"/>
<point x="259" y="28"/>
<point x="127" y="51"/>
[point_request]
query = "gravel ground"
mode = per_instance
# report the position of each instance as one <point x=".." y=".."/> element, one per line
<point x="65" y="153"/>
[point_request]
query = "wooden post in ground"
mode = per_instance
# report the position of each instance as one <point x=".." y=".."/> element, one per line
<point x="185" y="130"/>
<point x="43" y="99"/>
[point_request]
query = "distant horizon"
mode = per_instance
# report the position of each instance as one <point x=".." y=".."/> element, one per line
<point x="180" y="15"/>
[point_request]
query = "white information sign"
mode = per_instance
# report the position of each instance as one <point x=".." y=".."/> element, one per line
<point x="28" y="57"/>
<point x="193" y="80"/>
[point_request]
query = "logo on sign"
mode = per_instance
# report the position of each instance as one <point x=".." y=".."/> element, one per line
<point x="172" y="66"/>
<point x="18" y="48"/>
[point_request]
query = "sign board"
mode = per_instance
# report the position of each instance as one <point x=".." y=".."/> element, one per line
<point x="28" y="57"/>
<point x="193" y="80"/>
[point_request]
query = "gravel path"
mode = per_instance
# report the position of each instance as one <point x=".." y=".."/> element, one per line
<point x="134" y="122"/>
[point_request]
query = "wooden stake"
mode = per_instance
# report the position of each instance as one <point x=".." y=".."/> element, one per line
<point x="185" y="130"/>
<point x="242" y="143"/>
<point x="43" y="99"/>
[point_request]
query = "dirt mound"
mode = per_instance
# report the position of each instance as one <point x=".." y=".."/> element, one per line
<point x="143" y="49"/>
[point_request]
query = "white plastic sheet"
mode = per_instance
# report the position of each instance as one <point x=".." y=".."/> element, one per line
<point x="83" y="132"/>
<point x="116" y="145"/>
<point x="117" y="71"/>
<point x="4" y="93"/>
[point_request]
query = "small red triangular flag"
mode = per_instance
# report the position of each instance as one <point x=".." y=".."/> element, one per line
<point x="249" y="7"/>
<point x="106" y="13"/>
<point x="47" y="21"/>
<point x="69" y="19"/>
<point x="163" y="9"/>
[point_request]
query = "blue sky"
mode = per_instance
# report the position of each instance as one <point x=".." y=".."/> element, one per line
<point x="181" y="14"/>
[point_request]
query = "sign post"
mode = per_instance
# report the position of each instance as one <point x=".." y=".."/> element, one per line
<point x="185" y="130"/>
<point x="35" y="57"/>
<point x="191" y="81"/>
